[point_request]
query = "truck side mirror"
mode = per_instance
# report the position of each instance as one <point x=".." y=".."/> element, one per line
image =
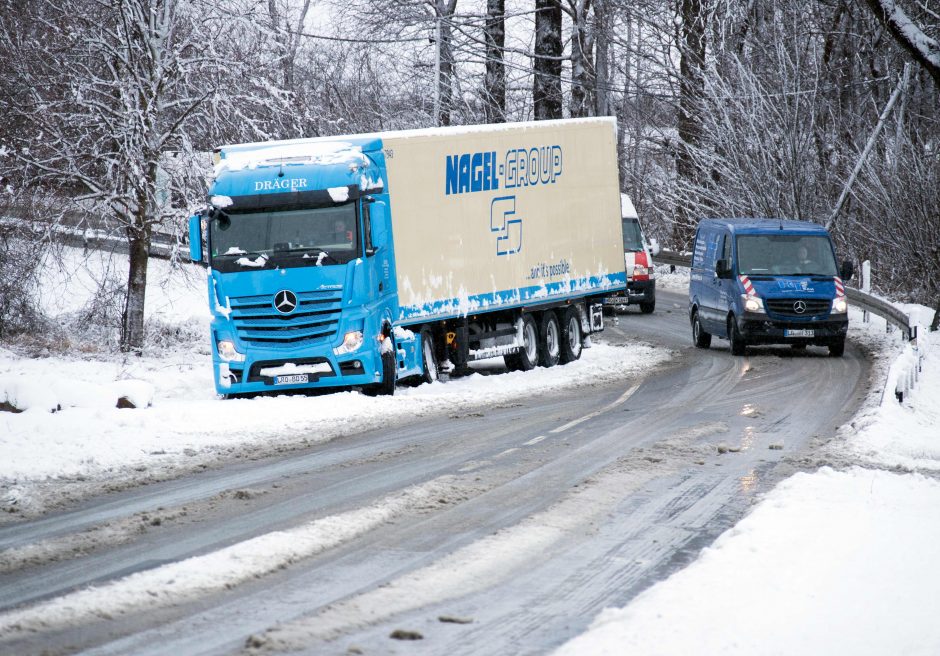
<point x="654" y="246"/>
<point x="847" y="270"/>
<point x="723" y="268"/>
<point x="195" y="238"/>
<point x="380" y="227"/>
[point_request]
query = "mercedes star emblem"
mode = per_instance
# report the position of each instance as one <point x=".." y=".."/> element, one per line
<point x="799" y="307"/>
<point x="285" y="301"/>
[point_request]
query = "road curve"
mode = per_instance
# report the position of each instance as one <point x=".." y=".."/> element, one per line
<point x="553" y="509"/>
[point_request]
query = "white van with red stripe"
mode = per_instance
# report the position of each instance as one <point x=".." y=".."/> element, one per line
<point x="638" y="259"/>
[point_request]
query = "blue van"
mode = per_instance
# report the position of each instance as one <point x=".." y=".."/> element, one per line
<point x="767" y="282"/>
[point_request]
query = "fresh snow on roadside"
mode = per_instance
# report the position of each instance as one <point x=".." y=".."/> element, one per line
<point x="830" y="562"/>
<point x="186" y="425"/>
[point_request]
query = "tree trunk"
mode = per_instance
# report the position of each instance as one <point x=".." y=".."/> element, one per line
<point x="494" y="82"/>
<point x="582" y="68"/>
<point x="546" y="85"/>
<point x="691" y="90"/>
<point x="445" y="12"/>
<point x="132" y="327"/>
<point x="601" y="49"/>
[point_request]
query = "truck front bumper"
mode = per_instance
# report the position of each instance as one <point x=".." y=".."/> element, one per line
<point x="760" y="329"/>
<point x="349" y="370"/>
<point x="637" y="291"/>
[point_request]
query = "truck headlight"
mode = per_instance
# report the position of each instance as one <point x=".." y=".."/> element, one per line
<point x="228" y="352"/>
<point x="752" y="303"/>
<point x="839" y="305"/>
<point x="351" y="342"/>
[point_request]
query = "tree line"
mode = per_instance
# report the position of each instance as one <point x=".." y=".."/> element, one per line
<point x="822" y="111"/>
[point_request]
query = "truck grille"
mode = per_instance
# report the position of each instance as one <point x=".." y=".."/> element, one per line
<point x="788" y="306"/>
<point x="316" y="319"/>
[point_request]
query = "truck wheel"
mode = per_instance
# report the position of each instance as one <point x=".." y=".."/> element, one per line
<point x="836" y="349"/>
<point x="738" y="345"/>
<point x="570" y="335"/>
<point x="527" y="356"/>
<point x="647" y="308"/>
<point x="700" y="338"/>
<point x="387" y="386"/>
<point x="428" y="357"/>
<point x="549" y="340"/>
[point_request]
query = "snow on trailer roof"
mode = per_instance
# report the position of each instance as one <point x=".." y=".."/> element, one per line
<point x="332" y="150"/>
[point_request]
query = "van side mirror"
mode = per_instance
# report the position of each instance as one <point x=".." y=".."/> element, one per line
<point x="654" y="246"/>
<point x="380" y="227"/>
<point x="195" y="238"/>
<point x="847" y="270"/>
<point x="723" y="268"/>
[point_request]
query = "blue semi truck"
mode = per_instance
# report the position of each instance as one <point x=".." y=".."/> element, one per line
<point x="366" y="260"/>
<point x="767" y="282"/>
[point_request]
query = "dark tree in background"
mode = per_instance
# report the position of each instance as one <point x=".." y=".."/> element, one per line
<point x="546" y="83"/>
<point x="494" y="84"/>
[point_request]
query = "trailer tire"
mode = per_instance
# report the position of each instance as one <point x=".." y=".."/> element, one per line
<point x="549" y="340"/>
<point x="571" y="335"/>
<point x="429" y="367"/>
<point x="526" y="357"/>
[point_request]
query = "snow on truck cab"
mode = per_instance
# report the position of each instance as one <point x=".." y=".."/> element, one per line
<point x="638" y="260"/>
<point x="767" y="282"/>
<point x="364" y="260"/>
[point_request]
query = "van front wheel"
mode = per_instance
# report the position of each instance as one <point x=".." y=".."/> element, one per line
<point x="836" y="349"/>
<point x="738" y="345"/>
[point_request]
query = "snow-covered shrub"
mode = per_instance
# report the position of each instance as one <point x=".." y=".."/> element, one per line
<point x="21" y="255"/>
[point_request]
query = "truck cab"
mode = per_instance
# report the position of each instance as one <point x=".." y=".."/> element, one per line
<point x="300" y="267"/>
<point x="767" y="282"/>
<point x="638" y="255"/>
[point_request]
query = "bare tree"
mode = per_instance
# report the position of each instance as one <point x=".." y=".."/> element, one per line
<point x="546" y="84"/>
<point x="116" y="90"/>
<point x="494" y="84"/>
<point x="910" y="36"/>
<point x="582" y="58"/>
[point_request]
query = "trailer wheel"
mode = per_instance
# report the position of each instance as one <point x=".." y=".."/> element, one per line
<point x="570" y="335"/>
<point x="428" y="357"/>
<point x="527" y="356"/>
<point x="549" y="340"/>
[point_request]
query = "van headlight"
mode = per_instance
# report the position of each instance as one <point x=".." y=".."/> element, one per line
<point x="839" y="305"/>
<point x="351" y="342"/>
<point x="227" y="351"/>
<point x="752" y="303"/>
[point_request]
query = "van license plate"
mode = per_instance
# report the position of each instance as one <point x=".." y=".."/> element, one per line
<point x="798" y="332"/>
<point x="293" y="379"/>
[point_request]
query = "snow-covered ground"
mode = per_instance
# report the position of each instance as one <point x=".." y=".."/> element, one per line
<point x="838" y="561"/>
<point x="90" y="442"/>
<point x="832" y="562"/>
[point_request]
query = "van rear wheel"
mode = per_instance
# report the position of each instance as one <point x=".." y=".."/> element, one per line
<point x="700" y="338"/>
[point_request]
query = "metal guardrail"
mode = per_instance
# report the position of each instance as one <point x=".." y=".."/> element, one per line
<point x="873" y="304"/>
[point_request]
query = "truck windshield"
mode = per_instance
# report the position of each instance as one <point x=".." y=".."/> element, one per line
<point x="322" y="236"/>
<point x="785" y="255"/>
<point x="632" y="237"/>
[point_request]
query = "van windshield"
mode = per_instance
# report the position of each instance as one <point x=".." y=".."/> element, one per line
<point x="323" y="236"/>
<point x="785" y="255"/>
<point x="632" y="237"/>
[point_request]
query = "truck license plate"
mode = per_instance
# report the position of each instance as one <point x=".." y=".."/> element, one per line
<point x="293" y="379"/>
<point x="798" y="332"/>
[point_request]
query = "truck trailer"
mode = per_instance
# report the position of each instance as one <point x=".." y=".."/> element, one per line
<point x="365" y="260"/>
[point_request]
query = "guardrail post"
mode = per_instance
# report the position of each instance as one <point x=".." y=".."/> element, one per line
<point x="866" y="285"/>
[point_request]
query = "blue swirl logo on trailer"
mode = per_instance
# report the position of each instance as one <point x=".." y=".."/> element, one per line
<point x="469" y="173"/>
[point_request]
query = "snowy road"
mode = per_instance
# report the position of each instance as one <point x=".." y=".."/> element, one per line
<point x="504" y="529"/>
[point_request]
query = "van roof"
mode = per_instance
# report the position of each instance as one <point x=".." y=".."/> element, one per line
<point x="759" y="226"/>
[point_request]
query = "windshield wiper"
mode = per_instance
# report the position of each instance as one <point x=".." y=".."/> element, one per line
<point x="319" y="254"/>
